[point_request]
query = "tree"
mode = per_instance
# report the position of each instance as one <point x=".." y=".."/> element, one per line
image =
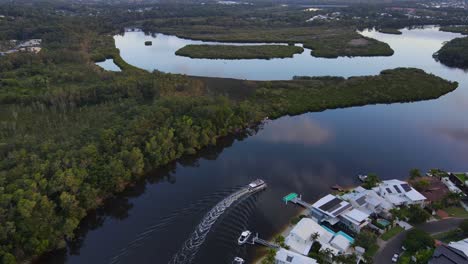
<point x="417" y="215"/>
<point x="371" y="181"/>
<point x="414" y="173"/>
<point x="417" y="239"/>
<point x="345" y="259"/>
<point x="270" y="257"/>
<point x="279" y="240"/>
<point x="315" y="236"/>
<point x="464" y="227"/>
<point x="421" y="184"/>
<point x="365" y="239"/>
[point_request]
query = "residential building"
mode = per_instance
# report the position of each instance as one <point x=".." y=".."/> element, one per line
<point x="368" y="201"/>
<point x="435" y="191"/>
<point x="446" y="255"/>
<point x="329" y="208"/>
<point x="450" y="185"/>
<point x="399" y="193"/>
<point x="355" y="219"/>
<point x="461" y="245"/>
<point x="284" y="256"/>
<point x="333" y="210"/>
<point x="301" y="237"/>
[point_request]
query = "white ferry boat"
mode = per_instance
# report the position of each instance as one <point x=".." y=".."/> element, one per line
<point x="258" y="184"/>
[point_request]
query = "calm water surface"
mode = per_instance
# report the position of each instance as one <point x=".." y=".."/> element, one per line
<point x="305" y="154"/>
<point x="108" y="65"/>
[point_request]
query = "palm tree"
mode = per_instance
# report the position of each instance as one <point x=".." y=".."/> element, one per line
<point x="315" y="236"/>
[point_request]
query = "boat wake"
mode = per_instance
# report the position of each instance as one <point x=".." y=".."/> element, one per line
<point x="192" y="245"/>
<point x="162" y="223"/>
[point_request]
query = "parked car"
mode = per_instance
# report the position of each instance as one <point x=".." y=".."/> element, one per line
<point x="395" y="258"/>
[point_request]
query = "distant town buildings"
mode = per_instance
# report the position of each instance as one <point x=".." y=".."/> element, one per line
<point x="12" y="46"/>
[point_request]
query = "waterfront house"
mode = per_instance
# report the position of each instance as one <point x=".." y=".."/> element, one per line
<point x="399" y="193"/>
<point x="355" y="219"/>
<point x="333" y="210"/>
<point x="329" y="208"/>
<point x="341" y="243"/>
<point x="368" y="201"/>
<point x="284" y="256"/>
<point x="450" y="185"/>
<point x="303" y="235"/>
<point x="435" y="190"/>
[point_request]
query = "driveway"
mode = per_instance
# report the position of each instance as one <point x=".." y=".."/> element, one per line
<point x="393" y="246"/>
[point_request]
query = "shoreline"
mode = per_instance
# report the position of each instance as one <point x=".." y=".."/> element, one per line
<point x="284" y="231"/>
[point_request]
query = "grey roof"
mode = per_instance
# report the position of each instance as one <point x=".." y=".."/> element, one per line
<point x="446" y="255"/>
<point x="361" y="200"/>
<point x="331" y="205"/>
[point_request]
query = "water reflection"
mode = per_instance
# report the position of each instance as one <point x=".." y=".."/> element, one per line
<point x="109" y="65"/>
<point x="301" y="130"/>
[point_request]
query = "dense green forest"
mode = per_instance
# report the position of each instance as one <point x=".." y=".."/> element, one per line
<point x="454" y="53"/>
<point x="72" y="134"/>
<point x="232" y="52"/>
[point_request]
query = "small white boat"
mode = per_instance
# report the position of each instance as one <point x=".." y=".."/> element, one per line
<point x="238" y="260"/>
<point x="244" y="237"/>
<point x="362" y="178"/>
<point x="257" y="184"/>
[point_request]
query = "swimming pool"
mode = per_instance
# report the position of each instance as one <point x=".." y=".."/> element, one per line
<point x="346" y="236"/>
<point x="383" y="222"/>
<point x="339" y="233"/>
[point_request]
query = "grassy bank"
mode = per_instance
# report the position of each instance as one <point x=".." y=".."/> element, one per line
<point x="455" y="29"/>
<point x="233" y="52"/>
<point x="454" y="53"/>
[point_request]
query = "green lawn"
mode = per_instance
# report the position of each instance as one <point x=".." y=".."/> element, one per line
<point x="372" y="250"/>
<point x="461" y="176"/>
<point x="456" y="211"/>
<point x="449" y="236"/>
<point x="391" y="233"/>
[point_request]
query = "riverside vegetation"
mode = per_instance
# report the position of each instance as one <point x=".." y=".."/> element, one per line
<point x="454" y="53"/>
<point x="72" y="135"/>
<point x="232" y="52"/>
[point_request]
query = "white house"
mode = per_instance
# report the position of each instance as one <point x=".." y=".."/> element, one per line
<point x="368" y="201"/>
<point x="450" y="185"/>
<point x="332" y="209"/>
<point x="284" y="256"/>
<point x="329" y="208"/>
<point x="355" y="219"/>
<point x="341" y="243"/>
<point x="300" y="239"/>
<point x="461" y="246"/>
<point x="399" y="193"/>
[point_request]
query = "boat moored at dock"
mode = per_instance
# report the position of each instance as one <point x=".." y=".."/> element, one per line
<point x="243" y="238"/>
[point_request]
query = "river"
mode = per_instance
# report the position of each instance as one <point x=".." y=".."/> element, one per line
<point x="307" y="154"/>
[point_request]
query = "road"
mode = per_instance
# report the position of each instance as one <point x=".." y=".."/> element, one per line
<point x="393" y="246"/>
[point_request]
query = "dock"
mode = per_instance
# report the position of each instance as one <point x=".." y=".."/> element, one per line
<point x="257" y="240"/>
<point x="296" y="199"/>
